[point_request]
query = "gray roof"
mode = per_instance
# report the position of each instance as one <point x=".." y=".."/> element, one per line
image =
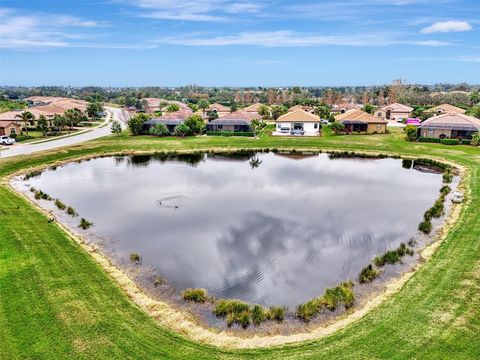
<point x="229" y="122"/>
<point x="164" y="121"/>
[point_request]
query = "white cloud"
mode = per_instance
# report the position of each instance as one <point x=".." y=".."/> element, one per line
<point x="286" y="38"/>
<point x="470" y="58"/>
<point x="447" y="26"/>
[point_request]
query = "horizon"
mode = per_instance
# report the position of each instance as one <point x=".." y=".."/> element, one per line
<point x="238" y="44"/>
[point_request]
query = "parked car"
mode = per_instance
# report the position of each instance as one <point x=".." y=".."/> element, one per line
<point x="6" y="140"/>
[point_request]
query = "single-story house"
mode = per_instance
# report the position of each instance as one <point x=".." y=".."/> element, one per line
<point x="394" y="111"/>
<point x="298" y="122"/>
<point x="219" y="109"/>
<point x="356" y="120"/>
<point x="238" y="121"/>
<point x="450" y="126"/>
<point x="343" y="108"/>
<point x="170" y="120"/>
<point x="9" y="128"/>
<point x="445" y="109"/>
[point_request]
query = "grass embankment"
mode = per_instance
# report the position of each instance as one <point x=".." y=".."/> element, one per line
<point x="56" y="302"/>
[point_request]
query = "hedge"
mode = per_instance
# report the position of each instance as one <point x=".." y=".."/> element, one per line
<point x="230" y="133"/>
<point x="445" y="141"/>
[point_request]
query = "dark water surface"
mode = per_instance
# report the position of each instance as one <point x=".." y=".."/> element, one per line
<point x="276" y="233"/>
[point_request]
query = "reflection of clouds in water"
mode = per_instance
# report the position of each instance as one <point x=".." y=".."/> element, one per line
<point x="276" y="235"/>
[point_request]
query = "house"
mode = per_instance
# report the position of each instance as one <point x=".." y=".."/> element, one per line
<point x="343" y="108"/>
<point x="394" y="111"/>
<point x="445" y="109"/>
<point x="9" y="128"/>
<point x="306" y="108"/>
<point x="450" y="126"/>
<point x="356" y="120"/>
<point x="170" y="120"/>
<point x="219" y="109"/>
<point x="253" y="108"/>
<point x="238" y="121"/>
<point x="298" y="122"/>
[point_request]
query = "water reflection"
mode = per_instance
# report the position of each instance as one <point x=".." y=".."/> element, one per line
<point x="276" y="235"/>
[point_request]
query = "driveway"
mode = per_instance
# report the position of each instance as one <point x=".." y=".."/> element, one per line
<point x="102" y="130"/>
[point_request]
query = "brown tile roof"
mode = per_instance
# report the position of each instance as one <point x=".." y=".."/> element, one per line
<point x="344" y="106"/>
<point x="298" y="115"/>
<point x="6" y="123"/>
<point x="446" y="109"/>
<point x="181" y="114"/>
<point x="359" y="115"/>
<point x="253" y="108"/>
<point x="396" y="107"/>
<point x="218" y="107"/>
<point x="240" y="115"/>
<point x="452" y="120"/>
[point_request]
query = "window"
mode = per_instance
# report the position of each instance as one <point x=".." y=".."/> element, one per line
<point x="279" y="126"/>
<point x="379" y="114"/>
<point x="379" y="127"/>
<point x="219" y="127"/>
<point x="12" y="131"/>
<point x="431" y="132"/>
<point x="315" y="126"/>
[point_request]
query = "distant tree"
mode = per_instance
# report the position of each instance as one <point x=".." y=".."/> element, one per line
<point x="42" y="125"/>
<point x="323" y="111"/>
<point x="212" y="115"/>
<point x="474" y="98"/>
<point x="203" y="104"/>
<point x="73" y="117"/>
<point x="234" y="107"/>
<point x="116" y="128"/>
<point x="475" y="111"/>
<point x="159" y="129"/>
<point x="172" y="108"/>
<point x="157" y="113"/>
<point x="369" y="108"/>
<point x="193" y="107"/>
<point x="336" y="127"/>
<point x="278" y="110"/>
<point x="411" y="132"/>
<point x="195" y="123"/>
<point x="58" y="122"/>
<point x="135" y="124"/>
<point x="26" y="117"/>
<point x="265" y="112"/>
<point x="182" y="130"/>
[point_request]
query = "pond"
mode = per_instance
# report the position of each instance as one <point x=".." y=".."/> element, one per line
<point x="266" y="228"/>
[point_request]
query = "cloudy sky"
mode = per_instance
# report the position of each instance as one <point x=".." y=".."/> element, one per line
<point x="238" y="42"/>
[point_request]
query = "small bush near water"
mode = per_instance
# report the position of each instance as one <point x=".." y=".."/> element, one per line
<point x="195" y="295"/>
<point x="368" y="274"/>
<point x="71" y="211"/>
<point x="331" y="299"/>
<point x="32" y="174"/>
<point x="243" y="314"/>
<point x="41" y="195"/>
<point x="85" y="224"/>
<point x="135" y="257"/>
<point x="60" y="205"/>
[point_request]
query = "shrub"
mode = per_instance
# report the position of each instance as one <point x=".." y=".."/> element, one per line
<point x="407" y="164"/>
<point x="340" y="294"/>
<point x="225" y="306"/>
<point x="135" y="124"/>
<point x="41" y="195"/>
<point x="258" y="314"/>
<point x="159" y="130"/>
<point x="390" y="257"/>
<point x="276" y="313"/>
<point x="230" y="133"/>
<point x="336" y="127"/>
<point x="411" y="132"/>
<point x="425" y="227"/>
<point x="230" y="319"/>
<point x="32" y="189"/>
<point x="60" y="205"/>
<point x="447" y="175"/>
<point x="181" y="130"/>
<point x="85" y="224"/>
<point x="195" y="123"/>
<point x="475" y="139"/>
<point x="450" y="141"/>
<point x="244" y="319"/>
<point x="429" y="140"/>
<point x="195" y="295"/>
<point x="368" y="274"/>
<point x="32" y="174"/>
<point x="158" y="280"/>
<point x="135" y="257"/>
<point x="445" y="190"/>
<point x="309" y="309"/>
<point x="71" y="211"/>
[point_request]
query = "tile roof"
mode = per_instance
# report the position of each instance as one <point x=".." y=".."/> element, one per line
<point x="253" y="108"/>
<point x="359" y="115"/>
<point x="240" y="115"/>
<point x="396" y="107"/>
<point x="446" y="109"/>
<point x="298" y="115"/>
<point x="218" y="107"/>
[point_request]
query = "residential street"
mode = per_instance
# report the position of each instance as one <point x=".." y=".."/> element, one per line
<point x="103" y="130"/>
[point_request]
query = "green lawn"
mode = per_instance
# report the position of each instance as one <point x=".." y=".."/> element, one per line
<point x="56" y="302"/>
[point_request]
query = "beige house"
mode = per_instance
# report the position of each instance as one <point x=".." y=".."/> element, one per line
<point x="9" y="128"/>
<point x="238" y="121"/>
<point x="450" y="126"/>
<point x="394" y="111"/>
<point x="356" y="120"/>
<point x="220" y="109"/>
<point x="298" y="122"/>
<point x="445" y="109"/>
<point x="301" y="107"/>
<point x="343" y="108"/>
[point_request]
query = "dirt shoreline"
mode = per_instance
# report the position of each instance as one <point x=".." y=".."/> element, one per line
<point x="186" y="324"/>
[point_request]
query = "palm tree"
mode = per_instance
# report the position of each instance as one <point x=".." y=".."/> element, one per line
<point x="26" y="117"/>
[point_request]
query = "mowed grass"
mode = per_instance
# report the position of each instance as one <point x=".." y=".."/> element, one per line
<point x="56" y="302"/>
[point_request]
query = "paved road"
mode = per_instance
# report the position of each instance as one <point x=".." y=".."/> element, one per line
<point x="23" y="149"/>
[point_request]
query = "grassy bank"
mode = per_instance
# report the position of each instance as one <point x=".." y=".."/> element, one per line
<point x="56" y="302"/>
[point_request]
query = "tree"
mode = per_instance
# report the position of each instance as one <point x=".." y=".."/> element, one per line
<point x="278" y="111"/>
<point x="203" y="104"/>
<point x="234" y="107"/>
<point x="58" y="122"/>
<point x="195" y="124"/>
<point x="212" y="115"/>
<point x="172" y="108"/>
<point x="193" y="107"/>
<point x="257" y="125"/>
<point x="26" y="117"/>
<point x="42" y="125"/>
<point x="73" y="117"/>
<point x="159" y="129"/>
<point x="135" y="124"/>
<point x="264" y="111"/>
<point x="93" y="108"/>
<point x="476" y="139"/>
<point x="116" y="128"/>
<point x="411" y="132"/>
<point x="475" y="111"/>
<point x="323" y="111"/>
<point x="182" y="130"/>
<point x="368" y="108"/>
<point x="474" y="98"/>
<point x="336" y="127"/>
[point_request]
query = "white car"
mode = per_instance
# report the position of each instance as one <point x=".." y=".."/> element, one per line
<point x="6" y="140"/>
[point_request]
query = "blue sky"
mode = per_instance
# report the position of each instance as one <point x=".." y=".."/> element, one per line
<point x="238" y="42"/>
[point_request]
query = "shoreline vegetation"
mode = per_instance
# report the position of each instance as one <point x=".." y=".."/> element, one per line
<point x="453" y="269"/>
<point x="235" y="311"/>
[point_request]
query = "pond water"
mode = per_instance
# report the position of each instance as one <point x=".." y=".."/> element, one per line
<point x="265" y="228"/>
